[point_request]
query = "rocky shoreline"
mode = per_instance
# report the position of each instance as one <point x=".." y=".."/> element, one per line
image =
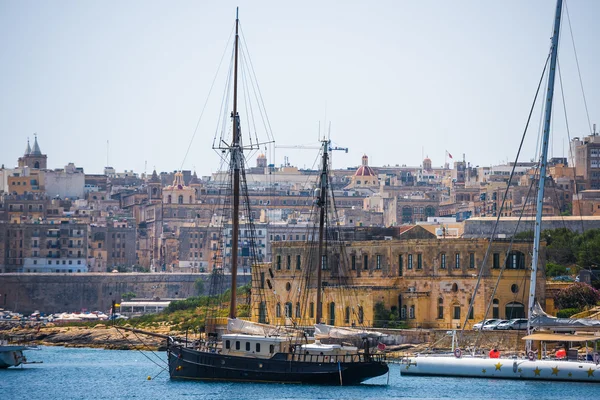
<point x="99" y="336"/>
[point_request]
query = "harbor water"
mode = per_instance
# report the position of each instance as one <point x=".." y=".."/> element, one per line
<point x="68" y="373"/>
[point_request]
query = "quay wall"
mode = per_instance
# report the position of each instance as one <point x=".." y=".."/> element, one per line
<point x="440" y="339"/>
<point x="51" y="293"/>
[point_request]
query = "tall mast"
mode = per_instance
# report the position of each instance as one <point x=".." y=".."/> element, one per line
<point x="543" y="163"/>
<point x="236" y="160"/>
<point x="322" y="203"/>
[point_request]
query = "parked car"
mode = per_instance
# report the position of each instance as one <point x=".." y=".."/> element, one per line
<point x="493" y="325"/>
<point x="516" y="324"/>
<point x="478" y="325"/>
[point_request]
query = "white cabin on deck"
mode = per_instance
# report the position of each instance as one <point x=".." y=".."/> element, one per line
<point x="254" y="345"/>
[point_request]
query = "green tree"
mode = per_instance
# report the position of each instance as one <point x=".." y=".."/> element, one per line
<point x="199" y="286"/>
<point x="578" y="295"/>
<point x="553" y="269"/>
<point x="128" y="296"/>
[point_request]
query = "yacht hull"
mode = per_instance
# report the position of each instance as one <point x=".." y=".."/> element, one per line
<point x="11" y="356"/>
<point x="187" y="363"/>
<point x="501" y="368"/>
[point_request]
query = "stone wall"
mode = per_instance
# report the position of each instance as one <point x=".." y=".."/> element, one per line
<point x="51" y="293"/>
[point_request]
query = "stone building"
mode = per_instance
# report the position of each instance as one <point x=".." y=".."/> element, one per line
<point x="33" y="157"/>
<point x="45" y="247"/>
<point x="427" y="282"/>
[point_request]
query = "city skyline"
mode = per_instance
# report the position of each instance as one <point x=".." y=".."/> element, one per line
<point x="421" y="78"/>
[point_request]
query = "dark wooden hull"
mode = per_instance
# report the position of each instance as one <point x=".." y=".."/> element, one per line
<point x="187" y="363"/>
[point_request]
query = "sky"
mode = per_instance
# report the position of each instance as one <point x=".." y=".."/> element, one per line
<point x="397" y="80"/>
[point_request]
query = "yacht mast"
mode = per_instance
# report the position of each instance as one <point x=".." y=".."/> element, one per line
<point x="322" y="203"/>
<point x="236" y="164"/>
<point x="543" y="164"/>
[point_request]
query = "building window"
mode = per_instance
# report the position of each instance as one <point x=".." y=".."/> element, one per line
<point x="419" y="261"/>
<point x="278" y="262"/>
<point x="311" y="310"/>
<point x="298" y="315"/>
<point x="443" y="261"/>
<point x="400" y="264"/>
<point x="411" y="312"/>
<point x="289" y="262"/>
<point x="440" y="308"/>
<point x="456" y="312"/>
<point x="496" y="260"/>
<point x="410" y="263"/>
<point x="472" y="260"/>
<point x="324" y="262"/>
<point x="347" y="316"/>
<point x="496" y="309"/>
<point x="353" y="261"/>
<point x="365" y="262"/>
<point x="378" y="266"/>
<point x="457" y="261"/>
<point x="361" y="315"/>
<point x="403" y="312"/>
<point x="298" y="261"/>
<point x="278" y="310"/>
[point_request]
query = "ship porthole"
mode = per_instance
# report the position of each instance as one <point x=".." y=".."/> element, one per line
<point x="259" y="365"/>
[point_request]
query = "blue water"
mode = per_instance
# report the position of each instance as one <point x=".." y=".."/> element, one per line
<point x="112" y="374"/>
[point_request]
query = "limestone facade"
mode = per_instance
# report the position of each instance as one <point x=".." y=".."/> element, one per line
<point x="428" y="282"/>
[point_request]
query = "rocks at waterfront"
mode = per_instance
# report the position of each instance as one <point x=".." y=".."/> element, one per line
<point x="99" y="336"/>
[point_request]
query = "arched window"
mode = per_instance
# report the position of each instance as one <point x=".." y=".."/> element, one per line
<point x="331" y="313"/>
<point x="456" y="314"/>
<point x="278" y="310"/>
<point x="440" y="308"/>
<point x="180" y="199"/>
<point x="361" y="315"/>
<point x="407" y="213"/>
<point x="515" y="260"/>
<point x="154" y="191"/>
<point x="36" y="165"/>
<point x="169" y="199"/>
<point x="262" y="313"/>
<point x="454" y="287"/>
<point x="288" y="309"/>
<point x="496" y="309"/>
<point x="515" y="310"/>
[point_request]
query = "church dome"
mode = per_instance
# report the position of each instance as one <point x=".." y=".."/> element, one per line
<point x="364" y="169"/>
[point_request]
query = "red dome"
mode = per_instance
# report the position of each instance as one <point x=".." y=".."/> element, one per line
<point x="364" y="170"/>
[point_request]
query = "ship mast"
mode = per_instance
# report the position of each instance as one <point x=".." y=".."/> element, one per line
<point x="322" y="204"/>
<point x="236" y="165"/>
<point x="543" y="164"/>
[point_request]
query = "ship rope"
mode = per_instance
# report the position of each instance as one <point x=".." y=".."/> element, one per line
<point x="511" y="177"/>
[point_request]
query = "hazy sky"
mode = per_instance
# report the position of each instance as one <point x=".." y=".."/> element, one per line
<point x="395" y="78"/>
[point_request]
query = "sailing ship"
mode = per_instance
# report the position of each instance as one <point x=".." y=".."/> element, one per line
<point x="259" y="352"/>
<point x="534" y="366"/>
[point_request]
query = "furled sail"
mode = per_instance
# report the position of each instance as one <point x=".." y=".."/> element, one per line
<point x="254" y="328"/>
<point x="540" y="319"/>
<point x="323" y="331"/>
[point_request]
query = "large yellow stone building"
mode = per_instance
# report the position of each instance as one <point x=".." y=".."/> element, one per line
<point x="427" y="282"/>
